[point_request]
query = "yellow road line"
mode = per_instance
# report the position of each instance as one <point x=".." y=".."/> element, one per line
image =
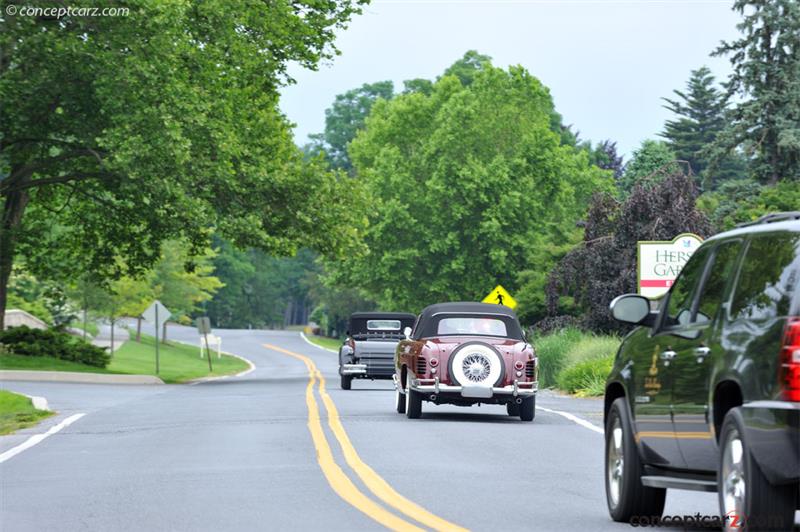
<point x="376" y="484"/>
<point x="336" y="478"/>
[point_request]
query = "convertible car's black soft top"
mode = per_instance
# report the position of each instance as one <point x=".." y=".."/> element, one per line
<point x="428" y="323"/>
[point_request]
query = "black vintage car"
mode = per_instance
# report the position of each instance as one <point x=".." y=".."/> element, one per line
<point x="705" y="393"/>
<point x="368" y="350"/>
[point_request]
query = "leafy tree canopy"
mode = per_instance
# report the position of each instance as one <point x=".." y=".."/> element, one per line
<point x="653" y="160"/>
<point x="345" y="117"/>
<point x="121" y="132"/>
<point x="466" y="184"/>
<point x="765" y="121"/>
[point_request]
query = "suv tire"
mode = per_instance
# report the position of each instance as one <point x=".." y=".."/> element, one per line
<point x="742" y="487"/>
<point x="512" y="409"/>
<point x="625" y="494"/>
<point x="346" y="381"/>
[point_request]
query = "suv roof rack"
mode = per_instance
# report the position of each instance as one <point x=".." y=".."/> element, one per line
<point x="772" y="218"/>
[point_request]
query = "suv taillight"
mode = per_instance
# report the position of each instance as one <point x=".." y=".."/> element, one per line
<point x="790" y="361"/>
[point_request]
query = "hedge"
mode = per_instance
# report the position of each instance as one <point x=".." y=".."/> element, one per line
<point x="53" y="343"/>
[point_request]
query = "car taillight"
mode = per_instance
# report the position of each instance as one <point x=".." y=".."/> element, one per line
<point x="433" y="362"/>
<point x="790" y="361"/>
<point x="519" y="365"/>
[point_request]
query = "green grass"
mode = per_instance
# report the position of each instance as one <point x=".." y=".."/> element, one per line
<point x="11" y="361"/>
<point x="17" y="412"/>
<point x="324" y="341"/>
<point x="178" y="362"/>
<point x="91" y="327"/>
<point x="575" y="361"/>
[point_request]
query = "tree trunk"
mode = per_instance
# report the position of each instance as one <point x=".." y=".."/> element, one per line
<point x="13" y="209"/>
<point x="164" y="333"/>
<point x="112" y="336"/>
<point x="139" y="329"/>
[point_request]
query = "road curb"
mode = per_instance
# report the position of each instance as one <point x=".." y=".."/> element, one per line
<point x="73" y="376"/>
<point x="199" y="380"/>
<point x="309" y="342"/>
<point x="39" y="403"/>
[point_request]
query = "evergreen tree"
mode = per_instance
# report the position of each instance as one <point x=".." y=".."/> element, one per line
<point x="700" y="116"/>
<point x="766" y="77"/>
<point x="652" y="161"/>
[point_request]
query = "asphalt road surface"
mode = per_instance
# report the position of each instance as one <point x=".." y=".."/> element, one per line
<point x="269" y="451"/>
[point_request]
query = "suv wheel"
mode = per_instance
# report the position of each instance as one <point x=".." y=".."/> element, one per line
<point x="399" y="400"/>
<point x="512" y="409"/>
<point x="346" y="381"/>
<point x="413" y="403"/>
<point x="625" y="495"/>
<point x="527" y="408"/>
<point x="745" y="495"/>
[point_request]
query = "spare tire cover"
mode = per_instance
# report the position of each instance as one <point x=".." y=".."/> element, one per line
<point x="476" y="364"/>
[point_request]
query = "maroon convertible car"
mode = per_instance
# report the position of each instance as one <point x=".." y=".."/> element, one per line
<point x="465" y="354"/>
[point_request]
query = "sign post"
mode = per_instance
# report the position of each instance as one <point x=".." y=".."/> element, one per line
<point x="500" y="296"/>
<point x="660" y="261"/>
<point x="204" y="327"/>
<point x="157" y="314"/>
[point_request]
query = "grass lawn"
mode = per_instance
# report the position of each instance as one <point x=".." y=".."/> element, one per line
<point x="10" y="361"/>
<point x="178" y="362"/>
<point x="17" y="412"/>
<point x="324" y="341"/>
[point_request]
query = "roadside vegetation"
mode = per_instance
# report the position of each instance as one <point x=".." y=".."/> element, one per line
<point x="575" y="361"/>
<point x="178" y="362"/>
<point x="17" y="412"/>
<point x="324" y="341"/>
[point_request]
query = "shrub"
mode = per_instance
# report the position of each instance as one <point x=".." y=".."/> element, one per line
<point x="551" y="351"/>
<point x="567" y="348"/>
<point x="586" y="378"/>
<point x="52" y="343"/>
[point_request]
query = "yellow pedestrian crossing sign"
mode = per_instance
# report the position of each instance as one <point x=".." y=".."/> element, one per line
<point x="500" y="296"/>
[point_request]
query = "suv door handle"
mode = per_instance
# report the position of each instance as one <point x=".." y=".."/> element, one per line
<point x="702" y="351"/>
<point x="668" y="355"/>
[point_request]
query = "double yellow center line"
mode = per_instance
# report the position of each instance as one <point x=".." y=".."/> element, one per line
<point x="340" y="482"/>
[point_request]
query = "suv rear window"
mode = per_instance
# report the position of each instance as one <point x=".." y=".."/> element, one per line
<point x="767" y="278"/>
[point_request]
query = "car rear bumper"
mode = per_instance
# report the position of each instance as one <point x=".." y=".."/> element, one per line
<point x="773" y="435"/>
<point x="433" y="386"/>
<point x="378" y="371"/>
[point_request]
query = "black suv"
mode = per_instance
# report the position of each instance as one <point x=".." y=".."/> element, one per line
<point x="705" y="392"/>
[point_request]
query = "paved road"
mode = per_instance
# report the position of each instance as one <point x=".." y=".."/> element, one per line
<point x="237" y="454"/>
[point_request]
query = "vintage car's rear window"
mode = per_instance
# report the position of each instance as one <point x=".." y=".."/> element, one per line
<point x="469" y="325"/>
<point x="383" y="325"/>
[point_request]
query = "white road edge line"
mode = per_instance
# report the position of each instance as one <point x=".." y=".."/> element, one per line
<point x="309" y="342"/>
<point x="208" y="379"/>
<point x="575" y="419"/>
<point x="37" y="438"/>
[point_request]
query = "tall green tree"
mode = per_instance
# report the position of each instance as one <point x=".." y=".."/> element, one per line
<point x="653" y="161"/>
<point x="345" y="117"/>
<point x="700" y="116"/>
<point x="765" y="120"/>
<point x="467" y="185"/>
<point x="121" y="132"/>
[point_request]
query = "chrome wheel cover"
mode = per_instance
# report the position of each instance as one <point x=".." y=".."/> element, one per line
<point x="615" y="463"/>
<point x="476" y="367"/>
<point x="732" y="476"/>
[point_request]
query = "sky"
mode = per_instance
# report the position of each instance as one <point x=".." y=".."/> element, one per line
<point x="607" y="62"/>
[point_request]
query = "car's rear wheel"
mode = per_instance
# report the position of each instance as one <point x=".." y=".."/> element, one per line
<point x="746" y="497"/>
<point x="512" y="409"/>
<point x="346" y="381"/>
<point x="625" y="494"/>
<point x="527" y="408"/>
<point x="413" y="403"/>
<point x="399" y="401"/>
